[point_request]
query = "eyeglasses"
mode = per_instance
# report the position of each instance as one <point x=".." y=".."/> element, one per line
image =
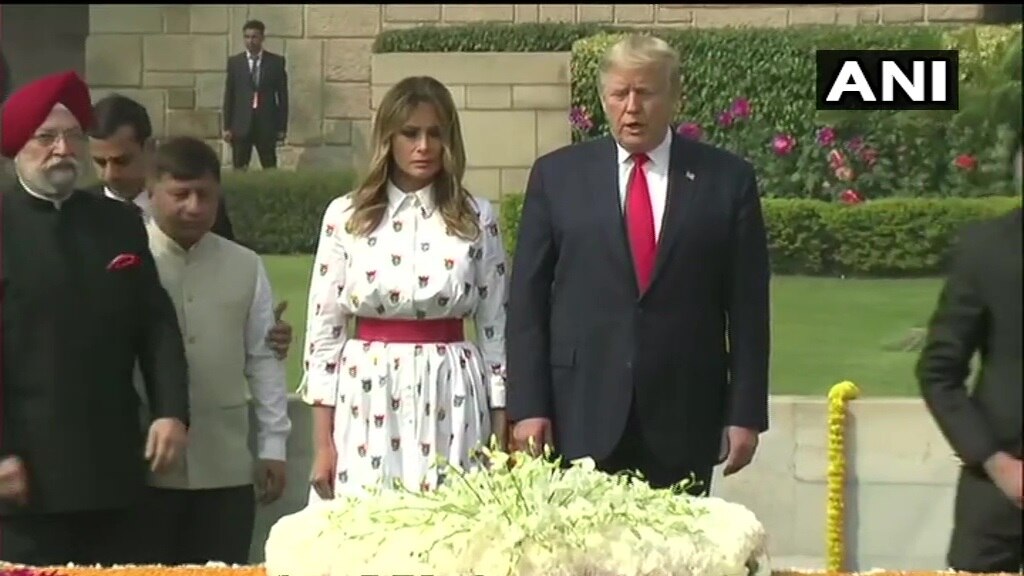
<point x="70" y="137"/>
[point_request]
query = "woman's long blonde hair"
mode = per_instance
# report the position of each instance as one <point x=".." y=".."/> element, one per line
<point x="370" y="199"/>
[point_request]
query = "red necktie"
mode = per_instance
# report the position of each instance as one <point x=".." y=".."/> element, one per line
<point x="640" y="222"/>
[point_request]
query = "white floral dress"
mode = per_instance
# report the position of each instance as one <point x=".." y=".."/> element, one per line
<point x="399" y="406"/>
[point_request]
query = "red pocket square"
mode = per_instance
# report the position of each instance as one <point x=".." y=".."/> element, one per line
<point x="124" y="261"/>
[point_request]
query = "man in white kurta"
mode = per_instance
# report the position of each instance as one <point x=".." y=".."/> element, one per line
<point x="205" y="509"/>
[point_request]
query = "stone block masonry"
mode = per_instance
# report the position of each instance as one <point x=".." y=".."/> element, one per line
<point x="172" y="59"/>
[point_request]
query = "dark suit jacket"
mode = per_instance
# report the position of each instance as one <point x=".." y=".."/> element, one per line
<point x="221" y="226"/>
<point x="692" y="350"/>
<point x="73" y="330"/>
<point x="273" y="93"/>
<point x="979" y="310"/>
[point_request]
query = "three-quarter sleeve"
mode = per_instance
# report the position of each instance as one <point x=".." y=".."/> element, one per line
<point x="326" y="317"/>
<point x="492" y="283"/>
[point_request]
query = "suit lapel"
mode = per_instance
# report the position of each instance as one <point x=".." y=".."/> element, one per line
<point x="604" y="179"/>
<point x="683" y="184"/>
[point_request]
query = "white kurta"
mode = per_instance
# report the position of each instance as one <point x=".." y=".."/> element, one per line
<point x="399" y="406"/>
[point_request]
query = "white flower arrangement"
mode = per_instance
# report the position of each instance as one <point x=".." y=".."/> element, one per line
<point x="535" y="518"/>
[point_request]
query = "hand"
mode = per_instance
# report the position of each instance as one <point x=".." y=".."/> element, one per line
<point x="322" y="476"/>
<point x="13" y="480"/>
<point x="499" y="428"/>
<point x="279" y="337"/>
<point x="228" y="136"/>
<point x="280" y="136"/>
<point x="742" y="445"/>
<point x="1006" y="471"/>
<point x="535" y="430"/>
<point x="271" y="479"/>
<point x="166" y="443"/>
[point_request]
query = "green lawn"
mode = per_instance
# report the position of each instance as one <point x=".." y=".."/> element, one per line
<point x="824" y="330"/>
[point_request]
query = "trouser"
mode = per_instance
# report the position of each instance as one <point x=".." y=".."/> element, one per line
<point x="986" y="527"/>
<point x="199" y="526"/>
<point x="263" y="136"/>
<point x="633" y="454"/>
<point x="95" y="537"/>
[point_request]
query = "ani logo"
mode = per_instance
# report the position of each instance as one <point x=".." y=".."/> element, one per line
<point x="888" y="80"/>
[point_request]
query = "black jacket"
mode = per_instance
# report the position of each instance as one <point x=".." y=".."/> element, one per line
<point x="74" y="326"/>
<point x="272" y="91"/>
<point x="979" y="311"/>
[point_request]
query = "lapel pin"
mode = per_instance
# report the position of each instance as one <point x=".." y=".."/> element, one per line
<point x="690" y="176"/>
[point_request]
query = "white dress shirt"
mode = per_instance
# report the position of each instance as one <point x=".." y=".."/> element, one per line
<point x="142" y="201"/>
<point x="656" y="170"/>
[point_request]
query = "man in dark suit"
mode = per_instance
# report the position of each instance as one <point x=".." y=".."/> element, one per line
<point x="979" y="311"/>
<point x="81" y="304"/>
<point x="255" y="100"/>
<point x="121" y="143"/>
<point x="638" y="325"/>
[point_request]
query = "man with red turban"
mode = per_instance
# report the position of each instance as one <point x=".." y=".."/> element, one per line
<point x="80" y="304"/>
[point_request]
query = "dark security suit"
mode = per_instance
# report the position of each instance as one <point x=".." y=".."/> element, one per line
<point x="72" y="333"/>
<point x="640" y="381"/>
<point x="979" y="310"/>
<point x="257" y="127"/>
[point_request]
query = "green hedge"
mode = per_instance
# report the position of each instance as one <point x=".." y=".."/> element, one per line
<point x="488" y="37"/>
<point x="885" y="238"/>
<point x="279" y="212"/>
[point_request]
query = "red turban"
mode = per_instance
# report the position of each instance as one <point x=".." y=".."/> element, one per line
<point x="27" y="108"/>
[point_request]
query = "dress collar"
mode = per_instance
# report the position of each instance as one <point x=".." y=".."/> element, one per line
<point x="422" y="198"/>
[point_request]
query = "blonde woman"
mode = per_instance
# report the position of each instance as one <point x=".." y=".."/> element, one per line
<point x="406" y="257"/>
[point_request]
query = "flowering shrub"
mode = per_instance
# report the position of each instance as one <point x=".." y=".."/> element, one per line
<point x="840" y="164"/>
<point x="764" y="110"/>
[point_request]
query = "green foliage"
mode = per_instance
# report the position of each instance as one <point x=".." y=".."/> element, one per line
<point x="772" y="73"/>
<point x="279" y="212"/>
<point x="886" y="238"/>
<point x="487" y="37"/>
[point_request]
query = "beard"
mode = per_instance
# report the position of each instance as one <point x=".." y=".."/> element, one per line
<point x="55" y="181"/>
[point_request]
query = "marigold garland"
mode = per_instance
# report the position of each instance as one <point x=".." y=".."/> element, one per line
<point x="838" y="396"/>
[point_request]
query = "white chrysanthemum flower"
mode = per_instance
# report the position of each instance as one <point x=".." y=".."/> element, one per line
<point x="534" y="519"/>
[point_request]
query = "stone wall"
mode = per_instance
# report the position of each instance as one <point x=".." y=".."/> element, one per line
<point x="901" y="483"/>
<point x="513" y="108"/>
<point x="172" y="57"/>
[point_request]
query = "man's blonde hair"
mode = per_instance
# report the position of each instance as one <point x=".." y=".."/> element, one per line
<point x="642" y="50"/>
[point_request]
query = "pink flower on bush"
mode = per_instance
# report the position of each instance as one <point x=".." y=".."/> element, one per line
<point x="869" y="156"/>
<point x="740" y="108"/>
<point x="836" y="159"/>
<point x="826" y="136"/>
<point x="855" y="144"/>
<point x="690" y="130"/>
<point x="844" y="173"/>
<point x="783" y="144"/>
<point x="726" y="119"/>
<point x="580" y="120"/>
<point x="966" y="162"/>
<point x="850" y="197"/>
